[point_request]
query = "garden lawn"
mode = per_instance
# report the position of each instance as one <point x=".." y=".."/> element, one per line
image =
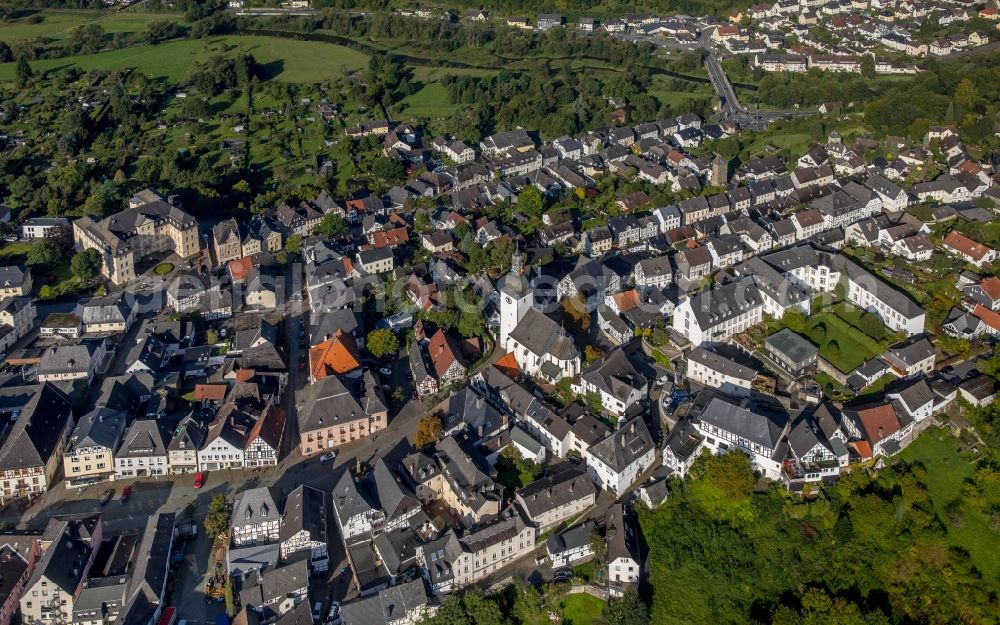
<point x="430" y="101"/>
<point x="288" y="60"/>
<point x="854" y="347"/>
<point x="937" y="450"/>
<point x="581" y="609"/>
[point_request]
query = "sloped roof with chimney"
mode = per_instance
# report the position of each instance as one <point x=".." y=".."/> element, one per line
<point x="336" y="355"/>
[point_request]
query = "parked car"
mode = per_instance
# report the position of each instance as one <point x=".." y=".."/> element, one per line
<point x="126" y="492"/>
<point x="328" y="457"/>
<point x="107" y="495"/>
<point x="199" y="479"/>
<point x="317" y="611"/>
<point x="386" y="371"/>
<point x="562" y="575"/>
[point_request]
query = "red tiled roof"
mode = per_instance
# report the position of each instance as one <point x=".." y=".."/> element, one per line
<point x="626" y="300"/>
<point x="442" y="351"/>
<point x="992" y="287"/>
<point x="987" y="316"/>
<point x="240" y="268"/>
<point x="269" y="427"/>
<point x="958" y="241"/>
<point x="211" y="392"/>
<point x="336" y="355"/>
<point x="878" y="422"/>
<point x="508" y="365"/>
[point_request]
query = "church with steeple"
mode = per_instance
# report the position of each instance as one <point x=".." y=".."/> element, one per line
<point x="540" y="346"/>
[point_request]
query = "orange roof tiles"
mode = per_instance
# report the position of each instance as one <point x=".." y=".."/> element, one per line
<point x="508" y="365"/>
<point x="336" y="355"/>
<point x="211" y="392"/>
<point x="973" y="249"/>
<point x="240" y="268"/>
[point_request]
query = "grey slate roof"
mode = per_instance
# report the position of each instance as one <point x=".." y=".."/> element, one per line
<point x="101" y="427"/>
<point x="142" y="438"/>
<point x="388" y="606"/>
<point x="615" y="374"/>
<point x="305" y="510"/>
<point x="793" y="346"/>
<point x="728" y="301"/>
<point x="35" y="435"/>
<point x="555" y="490"/>
<point x="331" y="400"/>
<point x="393" y="500"/>
<point x="541" y="335"/>
<point x="254" y="506"/>
<point x="743" y="419"/>
<point x="625" y="445"/>
<point x="721" y="364"/>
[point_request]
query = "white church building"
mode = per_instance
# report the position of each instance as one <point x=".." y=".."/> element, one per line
<point x="540" y="345"/>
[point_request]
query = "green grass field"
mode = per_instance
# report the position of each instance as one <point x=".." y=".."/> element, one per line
<point x="288" y="60"/>
<point x="430" y="101"/>
<point x="946" y="473"/>
<point x="581" y="609"/>
<point x="853" y="347"/>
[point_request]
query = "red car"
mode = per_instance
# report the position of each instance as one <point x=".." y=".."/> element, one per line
<point x="125" y="494"/>
<point x="199" y="479"/>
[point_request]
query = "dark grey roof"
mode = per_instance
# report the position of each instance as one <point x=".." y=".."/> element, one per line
<point x="792" y="345"/>
<point x="721" y="364"/>
<point x="743" y="419"/>
<point x="913" y="350"/>
<point x="541" y="335"/>
<point x="573" y="538"/>
<point x="332" y="400"/>
<point x="142" y="438"/>
<point x="275" y="585"/>
<point x="554" y="490"/>
<point x="101" y="427"/>
<point x="615" y="374"/>
<point x="624" y="446"/>
<point x="37" y="433"/>
<point x="393" y="499"/>
<point x="109" y="309"/>
<point x="728" y="301"/>
<point x="621" y="535"/>
<point x="348" y="498"/>
<point x="304" y="510"/>
<point x="388" y="606"/>
<point x="254" y="506"/>
<point x="150" y="573"/>
<point x="467" y="471"/>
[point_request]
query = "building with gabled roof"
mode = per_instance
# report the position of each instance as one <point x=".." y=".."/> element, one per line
<point x="32" y="451"/>
<point x="617" y="461"/>
<point x="303" y="527"/>
<point x="142" y="452"/>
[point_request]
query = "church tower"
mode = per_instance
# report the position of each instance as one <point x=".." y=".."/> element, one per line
<point x="720" y="172"/>
<point x="516" y="297"/>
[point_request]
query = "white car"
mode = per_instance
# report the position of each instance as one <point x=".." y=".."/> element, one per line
<point x="386" y="371"/>
<point x="328" y="457"/>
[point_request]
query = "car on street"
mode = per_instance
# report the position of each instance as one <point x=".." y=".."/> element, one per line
<point x="386" y="371"/>
<point x="107" y="495"/>
<point x="199" y="479"/>
<point x="126" y="492"/>
<point x="317" y="611"/>
<point x="328" y="457"/>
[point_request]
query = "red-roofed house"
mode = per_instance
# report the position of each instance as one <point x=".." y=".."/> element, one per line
<point x="210" y="392"/>
<point x="389" y="238"/>
<point x="444" y="357"/>
<point x="337" y="355"/>
<point x="989" y="318"/>
<point x="972" y="251"/>
<point x="264" y="443"/>
<point x="879" y="425"/>
<point x="240" y="268"/>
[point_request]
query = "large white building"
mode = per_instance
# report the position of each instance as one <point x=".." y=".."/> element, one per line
<point x="714" y="315"/>
<point x="617" y="461"/>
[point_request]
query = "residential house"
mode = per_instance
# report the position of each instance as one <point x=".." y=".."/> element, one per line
<point x="141" y="452"/>
<point x="618" y="460"/>
<point x="303" y="527"/>
<point x="33" y="450"/>
<point x="90" y="455"/>
<point x="339" y="410"/>
<point x="624" y="562"/>
<point x="563" y="494"/>
<point x="716" y="371"/>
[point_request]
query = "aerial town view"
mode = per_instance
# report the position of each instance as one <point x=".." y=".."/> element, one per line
<point x="499" y="312"/>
